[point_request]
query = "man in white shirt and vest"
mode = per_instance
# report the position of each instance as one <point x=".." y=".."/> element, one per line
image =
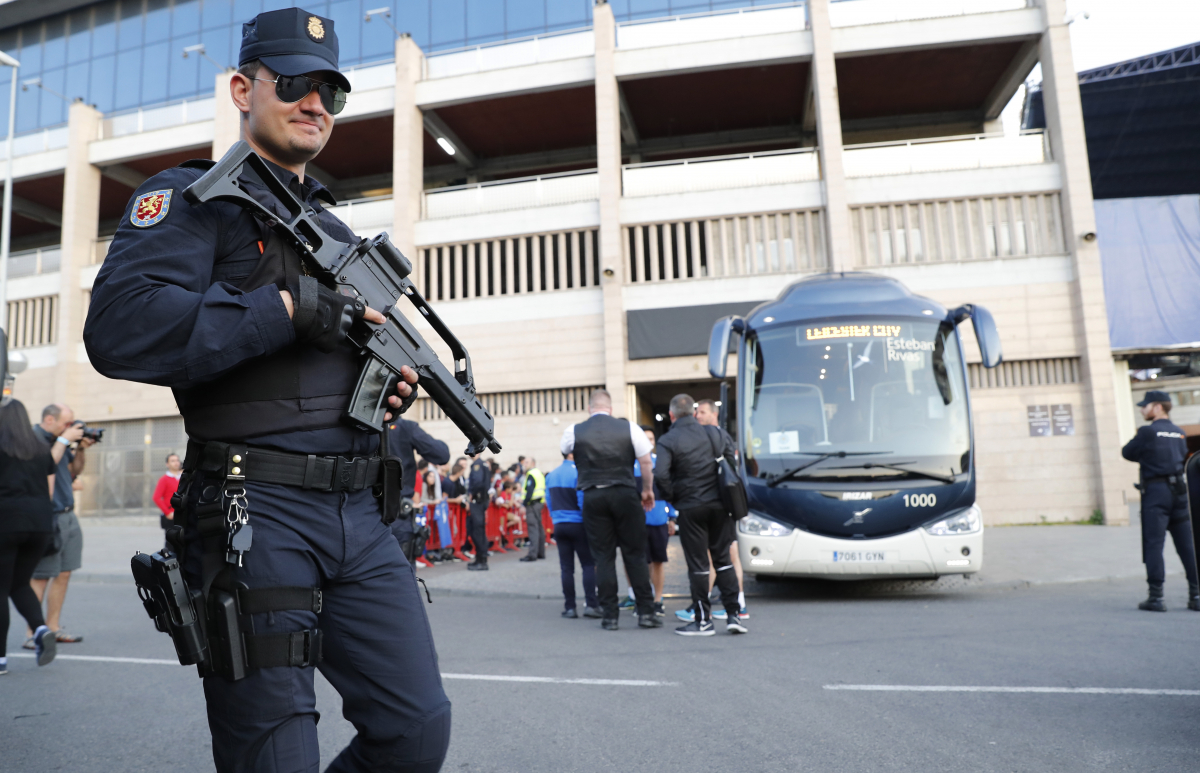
<point x="614" y="514"/>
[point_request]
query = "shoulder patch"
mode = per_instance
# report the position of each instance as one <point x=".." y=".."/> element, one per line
<point x="150" y="208"/>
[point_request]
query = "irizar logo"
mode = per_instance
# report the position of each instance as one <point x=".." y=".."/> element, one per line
<point x="855" y="495"/>
<point x="857" y="517"/>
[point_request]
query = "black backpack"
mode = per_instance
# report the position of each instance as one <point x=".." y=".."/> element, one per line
<point x="730" y="485"/>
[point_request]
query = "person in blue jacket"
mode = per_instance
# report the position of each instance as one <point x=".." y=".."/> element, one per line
<point x="566" y="511"/>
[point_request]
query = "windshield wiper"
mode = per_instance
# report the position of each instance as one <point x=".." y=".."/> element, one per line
<point x="781" y="477"/>
<point x="896" y="466"/>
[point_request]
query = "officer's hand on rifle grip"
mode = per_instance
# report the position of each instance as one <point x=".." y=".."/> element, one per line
<point x="324" y="317"/>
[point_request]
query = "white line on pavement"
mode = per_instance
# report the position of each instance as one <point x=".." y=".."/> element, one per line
<point x="478" y="677"/>
<point x="104" y="659"/>
<point x="557" y="680"/>
<point x="968" y="688"/>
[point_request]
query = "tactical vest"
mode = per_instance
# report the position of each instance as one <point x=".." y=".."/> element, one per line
<point x="295" y="389"/>
<point x="604" y="452"/>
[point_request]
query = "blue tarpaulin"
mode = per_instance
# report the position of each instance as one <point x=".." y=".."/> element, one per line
<point x="1150" y="252"/>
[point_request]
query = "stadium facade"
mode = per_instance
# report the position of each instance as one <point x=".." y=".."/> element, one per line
<point x="584" y="190"/>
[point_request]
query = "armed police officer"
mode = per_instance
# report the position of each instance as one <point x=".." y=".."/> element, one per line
<point x="1160" y="449"/>
<point x="479" y="485"/>
<point x="209" y="301"/>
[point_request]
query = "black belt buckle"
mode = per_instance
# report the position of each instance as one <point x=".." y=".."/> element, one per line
<point x="345" y="471"/>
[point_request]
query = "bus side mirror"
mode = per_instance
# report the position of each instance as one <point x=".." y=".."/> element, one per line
<point x="986" y="333"/>
<point x="718" y="344"/>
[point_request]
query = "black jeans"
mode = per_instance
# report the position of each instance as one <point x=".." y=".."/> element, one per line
<point x="703" y="530"/>
<point x="477" y="530"/>
<point x="613" y="517"/>
<point x="572" y="541"/>
<point x="536" y="529"/>
<point x="20" y="552"/>
<point x="1162" y="511"/>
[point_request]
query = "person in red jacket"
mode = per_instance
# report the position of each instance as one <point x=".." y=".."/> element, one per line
<point x="165" y="489"/>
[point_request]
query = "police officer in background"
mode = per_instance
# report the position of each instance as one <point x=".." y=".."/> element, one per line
<point x="535" y="497"/>
<point x="479" y="483"/>
<point x="209" y="301"/>
<point x="405" y="440"/>
<point x="1160" y="449"/>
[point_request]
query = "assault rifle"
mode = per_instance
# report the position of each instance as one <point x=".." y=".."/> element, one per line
<point x="376" y="273"/>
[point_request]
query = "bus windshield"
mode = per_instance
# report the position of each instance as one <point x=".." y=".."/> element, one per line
<point x="884" y="391"/>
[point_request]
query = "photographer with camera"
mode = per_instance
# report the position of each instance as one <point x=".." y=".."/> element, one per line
<point x="61" y="431"/>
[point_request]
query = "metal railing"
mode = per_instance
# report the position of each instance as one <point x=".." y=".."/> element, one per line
<point x="503" y="195"/>
<point x="514" y="265"/>
<point x="958" y="229"/>
<point x="945" y="154"/>
<point x="43" y="260"/>
<point x="513" y="52"/>
<point x="32" y="322"/>
<point x="745" y="245"/>
<point x="711" y="25"/>
<point x="144" y="119"/>
<point x="853" y="13"/>
<point x="747" y="170"/>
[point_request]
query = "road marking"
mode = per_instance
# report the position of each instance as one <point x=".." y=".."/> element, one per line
<point x="557" y="680"/>
<point x="968" y="688"/>
<point x="478" y="677"/>
<point x="104" y="659"/>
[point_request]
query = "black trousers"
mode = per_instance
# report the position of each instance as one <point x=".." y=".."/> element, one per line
<point x="20" y="552"/>
<point x="572" y="541"/>
<point x="1163" y="511"/>
<point x="703" y="530"/>
<point x="613" y="517"/>
<point x="477" y="530"/>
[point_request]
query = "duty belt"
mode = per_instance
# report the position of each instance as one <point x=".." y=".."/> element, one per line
<point x="306" y="471"/>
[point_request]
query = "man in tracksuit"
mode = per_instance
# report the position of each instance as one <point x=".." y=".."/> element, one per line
<point x="566" y="511"/>
<point x="1160" y="449"/>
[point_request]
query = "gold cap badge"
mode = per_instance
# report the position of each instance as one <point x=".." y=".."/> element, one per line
<point x="316" y="30"/>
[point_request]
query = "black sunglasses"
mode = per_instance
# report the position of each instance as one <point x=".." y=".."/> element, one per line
<point x="293" y="88"/>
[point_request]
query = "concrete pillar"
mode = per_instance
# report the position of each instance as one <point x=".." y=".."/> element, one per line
<point x="227" y="119"/>
<point x="1064" y="121"/>
<point x="829" y="139"/>
<point x="80" y="228"/>
<point x="408" y="147"/>
<point x="608" y="165"/>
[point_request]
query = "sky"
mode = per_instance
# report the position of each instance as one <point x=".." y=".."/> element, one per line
<point x="1116" y="30"/>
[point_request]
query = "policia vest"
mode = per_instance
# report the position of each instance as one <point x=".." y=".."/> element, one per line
<point x="297" y="388"/>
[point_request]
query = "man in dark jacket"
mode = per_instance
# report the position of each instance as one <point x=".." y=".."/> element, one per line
<point x="686" y="473"/>
<point x="1160" y="449"/>
<point x="405" y="440"/>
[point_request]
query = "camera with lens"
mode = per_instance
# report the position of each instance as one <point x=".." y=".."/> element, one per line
<point x="91" y="433"/>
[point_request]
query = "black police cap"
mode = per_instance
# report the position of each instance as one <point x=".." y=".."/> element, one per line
<point x="292" y="41"/>
<point x="1154" y="396"/>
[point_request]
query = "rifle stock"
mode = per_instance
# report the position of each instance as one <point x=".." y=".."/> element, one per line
<point x="377" y="273"/>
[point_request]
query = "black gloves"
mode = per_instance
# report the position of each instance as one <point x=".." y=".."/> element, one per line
<point x="323" y="317"/>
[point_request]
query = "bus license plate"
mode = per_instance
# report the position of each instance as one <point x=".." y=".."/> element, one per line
<point x="858" y="557"/>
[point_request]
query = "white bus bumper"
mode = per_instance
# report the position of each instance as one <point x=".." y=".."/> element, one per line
<point x="913" y="554"/>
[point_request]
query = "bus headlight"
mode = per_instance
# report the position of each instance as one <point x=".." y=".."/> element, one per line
<point x="966" y="521"/>
<point x="760" y="526"/>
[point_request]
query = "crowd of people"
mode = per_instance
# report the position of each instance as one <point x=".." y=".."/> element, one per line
<point x="617" y="486"/>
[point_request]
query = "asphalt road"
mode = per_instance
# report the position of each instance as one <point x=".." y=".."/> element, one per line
<point x="759" y="702"/>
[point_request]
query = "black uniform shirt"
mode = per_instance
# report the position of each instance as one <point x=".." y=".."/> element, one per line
<point x="686" y="468"/>
<point x="406" y="437"/>
<point x="1159" y="447"/>
<point x="479" y="481"/>
<point x="165" y="307"/>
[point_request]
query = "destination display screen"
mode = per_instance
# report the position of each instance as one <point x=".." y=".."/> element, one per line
<point x="851" y="331"/>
